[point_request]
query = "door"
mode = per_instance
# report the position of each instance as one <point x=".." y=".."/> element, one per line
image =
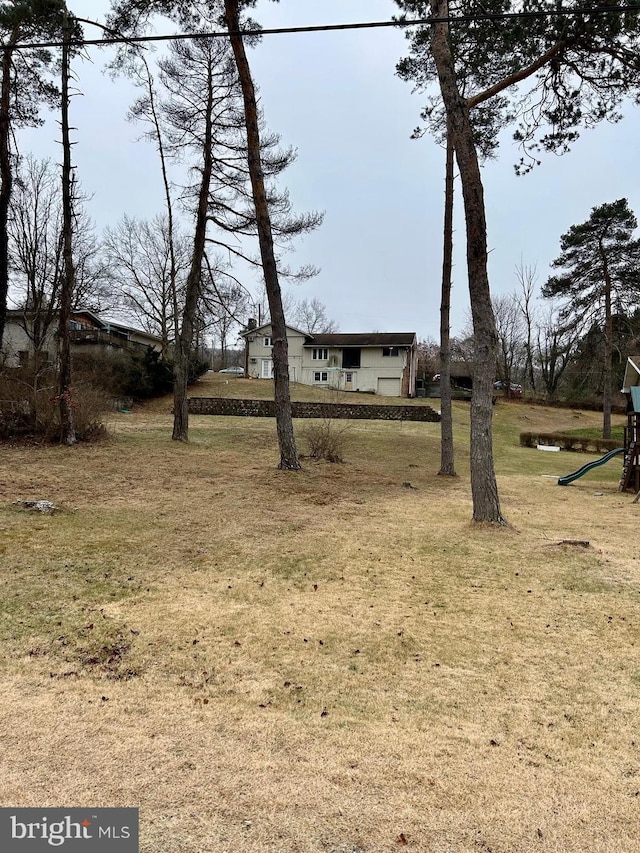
<point x="389" y="387"/>
<point x="266" y="371"/>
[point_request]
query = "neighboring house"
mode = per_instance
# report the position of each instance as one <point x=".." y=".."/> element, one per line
<point x="461" y="381"/>
<point x="376" y="362"/>
<point x="88" y="331"/>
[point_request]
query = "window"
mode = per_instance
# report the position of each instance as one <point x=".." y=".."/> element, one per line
<point x="321" y="376"/>
<point x="348" y="377"/>
<point x="351" y="358"/>
<point x="320" y="354"/>
<point x="390" y="351"/>
<point x="268" y="341"/>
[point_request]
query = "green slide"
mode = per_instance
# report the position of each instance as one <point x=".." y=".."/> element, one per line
<point x="569" y="478"/>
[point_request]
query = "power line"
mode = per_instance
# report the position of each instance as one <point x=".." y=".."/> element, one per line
<point x="324" y="28"/>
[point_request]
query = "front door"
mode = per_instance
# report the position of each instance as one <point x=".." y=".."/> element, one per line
<point x="267" y="369"/>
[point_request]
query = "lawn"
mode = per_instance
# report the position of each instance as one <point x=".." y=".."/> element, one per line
<point x="333" y="660"/>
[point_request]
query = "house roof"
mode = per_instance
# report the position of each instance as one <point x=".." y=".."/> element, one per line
<point x="264" y="326"/>
<point x="115" y="326"/>
<point x="346" y="339"/>
<point x="100" y="322"/>
<point x="362" y="339"/>
<point x="631" y="374"/>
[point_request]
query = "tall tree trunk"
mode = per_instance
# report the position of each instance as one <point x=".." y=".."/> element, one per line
<point x="286" y="439"/>
<point x="6" y="174"/>
<point x="173" y="275"/>
<point x="484" y="488"/>
<point x="607" y="378"/>
<point x="447" y="467"/>
<point x="67" y="429"/>
<point x="184" y="340"/>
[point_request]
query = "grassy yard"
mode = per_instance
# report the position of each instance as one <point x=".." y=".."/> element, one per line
<point x="334" y="660"/>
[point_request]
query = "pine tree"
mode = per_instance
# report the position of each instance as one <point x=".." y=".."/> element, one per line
<point x="599" y="277"/>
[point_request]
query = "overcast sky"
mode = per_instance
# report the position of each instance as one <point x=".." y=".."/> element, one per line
<point x="336" y="99"/>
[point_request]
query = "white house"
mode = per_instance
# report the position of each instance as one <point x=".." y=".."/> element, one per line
<point x="376" y="362"/>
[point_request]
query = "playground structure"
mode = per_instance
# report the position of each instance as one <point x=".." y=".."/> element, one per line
<point x="569" y="478"/>
<point x="630" y="478"/>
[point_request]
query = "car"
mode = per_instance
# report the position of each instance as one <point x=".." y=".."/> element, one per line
<point x="514" y="390"/>
<point x="233" y="371"/>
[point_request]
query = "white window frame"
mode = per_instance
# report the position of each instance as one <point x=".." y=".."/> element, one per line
<point x="321" y="376"/>
<point x="320" y="354"/>
<point x="390" y="352"/>
<point x="267" y="341"/>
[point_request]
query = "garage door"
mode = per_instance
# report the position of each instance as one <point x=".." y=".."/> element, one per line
<point x="389" y="387"/>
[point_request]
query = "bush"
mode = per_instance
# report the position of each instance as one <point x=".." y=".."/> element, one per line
<point x="29" y="407"/>
<point x="579" y="443"/>
<point x="134" y="374"/>
<point x="325" y="440"/>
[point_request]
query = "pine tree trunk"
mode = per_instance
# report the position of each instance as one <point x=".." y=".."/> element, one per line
<point x="184" y="339"/>
<point x="67" y="429"/>
<point x="607" y="379"/>
<point x="447" y="466"/>
<point x="484" y="489"/>
<point x="284" y="423"/>
<point x="6" y="176"/>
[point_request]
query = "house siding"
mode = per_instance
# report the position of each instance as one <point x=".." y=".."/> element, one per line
<point x="86" y="332"/>
<point x="258" y="352"/>
<point x="303" y="368"/>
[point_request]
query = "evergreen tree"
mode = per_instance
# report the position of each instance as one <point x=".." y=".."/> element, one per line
<point x="24" y="86"/>
<point x="600" y="278"/>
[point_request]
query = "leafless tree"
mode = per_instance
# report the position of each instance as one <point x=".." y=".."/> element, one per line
<point x="310" y="315"/>
<point x="526" y="277"/>
<point x="510" y="330"/>
<point x="149" y="269"/>
<point x="554" y="345"/>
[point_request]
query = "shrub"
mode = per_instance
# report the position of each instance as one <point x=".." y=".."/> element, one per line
<point x="566" y="441"/>
<point x="136" y="374"/>
<point x="325" y="440"/>
<point x="29" y="406"/>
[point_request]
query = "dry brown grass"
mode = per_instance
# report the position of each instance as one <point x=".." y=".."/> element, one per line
<point x="324" y="661"/>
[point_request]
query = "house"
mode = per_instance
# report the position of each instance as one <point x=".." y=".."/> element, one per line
<point x="375" y="362"/>
<point x="88" y="332"/>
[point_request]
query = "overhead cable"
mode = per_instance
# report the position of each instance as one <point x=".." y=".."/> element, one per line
<point x="325" y="28"/>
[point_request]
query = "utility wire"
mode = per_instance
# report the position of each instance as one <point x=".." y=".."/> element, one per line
<point x="325" y="28"/>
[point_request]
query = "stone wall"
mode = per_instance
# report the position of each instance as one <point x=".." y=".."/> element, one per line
<point x="266" y="409"/>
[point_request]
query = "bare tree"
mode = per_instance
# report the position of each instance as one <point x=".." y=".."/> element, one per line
<point x="310" y="315"/>
<point x="526" y="277"/>
<point x="149" y="266"/>
<point x="511" y="348"/>
<point x="555" y="342"/>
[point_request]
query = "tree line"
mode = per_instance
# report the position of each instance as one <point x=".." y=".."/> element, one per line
<point x="176" y="274"/>
<point x="569" y="338"/>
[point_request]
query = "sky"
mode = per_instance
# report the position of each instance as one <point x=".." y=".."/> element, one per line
<point x="336" y="99"/>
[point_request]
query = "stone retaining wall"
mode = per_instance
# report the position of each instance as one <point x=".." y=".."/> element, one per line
<point x="266" y="409"/>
